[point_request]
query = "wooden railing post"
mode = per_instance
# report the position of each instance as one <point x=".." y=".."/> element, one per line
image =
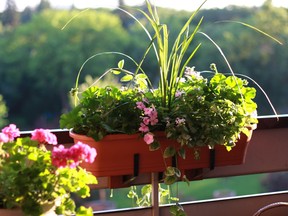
<point x="155" y="194"/>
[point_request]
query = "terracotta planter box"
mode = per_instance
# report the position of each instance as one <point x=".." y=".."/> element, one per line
<point x="121" y="154"/>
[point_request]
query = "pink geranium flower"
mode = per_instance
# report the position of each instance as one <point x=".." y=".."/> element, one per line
<point x="10" y="132"/>
<point x="82" y="152"/>
<point x="3" y="138"/>
<point x="73" y="156"/>
<point x="44" y="136"/>
<point x="59" y="156"/>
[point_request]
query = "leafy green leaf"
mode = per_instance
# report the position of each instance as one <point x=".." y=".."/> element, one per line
<point x="169" y="180"/>
<point x="170" y="171"/>
<point x="169" y="152"/>
<point x="116" y="72"/>
<point x="126" y="78"/>
<point x="141" y="76"/>
<point x="121" y="64"/>
<point x="185" y="179"/>
<point x="177" y="210"/>
<point x="182" y="153"/>
<point x="154" y="146"/>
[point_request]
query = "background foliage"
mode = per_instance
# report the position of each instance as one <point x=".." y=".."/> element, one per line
<point x="39" y="61"/>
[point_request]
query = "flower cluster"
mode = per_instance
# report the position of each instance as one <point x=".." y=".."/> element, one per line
<point x="32" y="176"/>
<point x="61" y="156"/>
<point x="9" y="133"/>
<point x="44" y="136"/>
<point x="149" y="117"/>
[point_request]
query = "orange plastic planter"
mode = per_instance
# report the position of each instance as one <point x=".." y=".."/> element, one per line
<point x="121" y="154"/>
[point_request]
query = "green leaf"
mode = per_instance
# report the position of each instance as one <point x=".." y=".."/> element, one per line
<point x="147" y="189"/>
<point x="116" y="72"/>
<point x="141" y="76"/>
<point x="169" y="152"/>
<point x="182" y="153"/>
<point x="126" y="78"/>
<point x="169" y="180"/>
<point x="177" y="210"/>
<point x="185" y="179"/>
<point x="121" y="64"/>
<point x="154" y="146"/>
<point x="33" y="156"/>
<point x="82" y="211"/>
<point x="170" y="171"/>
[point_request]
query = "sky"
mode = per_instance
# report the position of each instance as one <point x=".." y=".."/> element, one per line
<point x="176" y="4"/>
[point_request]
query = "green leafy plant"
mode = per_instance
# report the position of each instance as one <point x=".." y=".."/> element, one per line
<point x="195" y="108"/>
<point x="35" y="179"/>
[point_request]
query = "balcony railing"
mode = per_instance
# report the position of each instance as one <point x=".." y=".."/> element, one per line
<point x="267" y="153"/>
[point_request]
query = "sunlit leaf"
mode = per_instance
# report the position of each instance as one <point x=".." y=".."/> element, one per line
<point x="126" y="78"/>
<point x="121" y="64"/>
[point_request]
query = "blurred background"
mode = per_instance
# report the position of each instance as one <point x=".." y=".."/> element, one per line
<point x="39" y="62"/>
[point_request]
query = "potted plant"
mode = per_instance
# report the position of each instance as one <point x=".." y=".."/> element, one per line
<point x="186" y="116"/>
<point x="37" y="181"/>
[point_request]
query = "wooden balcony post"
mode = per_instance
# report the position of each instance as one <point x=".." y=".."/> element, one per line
<point x="155" y="194"/>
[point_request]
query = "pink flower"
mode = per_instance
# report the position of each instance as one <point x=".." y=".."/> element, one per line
<point x="147" y="111"/>
<point x="143" y="128"/>
<point x="149" y="138"/>
<point x="179" y="93"/>
<point x="59" y="156"/>
<point x="11" y="132"/>
<point x="82" y="152"/>
<point x="153" y="121"/>
<point x="153" y="114"/>
<point x="44" y="136"/>
<point x="146" y="120"/>
<point x="140" y="105"/>
<point x="73" y="156"/>
<point x="3" y="138"/>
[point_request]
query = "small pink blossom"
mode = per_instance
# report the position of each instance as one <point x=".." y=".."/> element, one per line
<point x="147" y="111"/>
<point x="179" y="93"/>
<point x="143" y="128"/>
<point x="146" y="120"/>
<point x="153" y="121"/>
<point x="153" y="114"/>
<point x="140" y="105"/>
<point x="44" y="136"/>
<point x="11" y="132"/>
<point x="149" y="138"/>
